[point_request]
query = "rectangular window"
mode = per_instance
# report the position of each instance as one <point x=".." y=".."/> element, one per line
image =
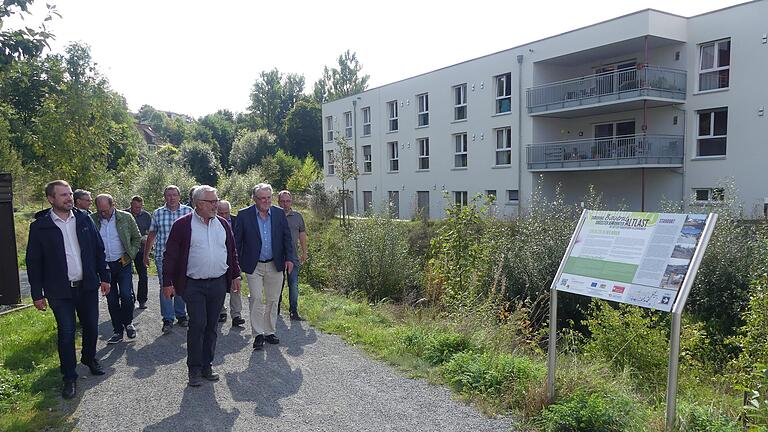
<point x="392" y="113"/>
<point x="491" y="194"/>
<point x="422" y="204"/>
<point x="504" y="146"/>
<point x="329" y="162"/>
<point x="423" y="114"/>
<point x="460" y="198"/>
<point x="366" y="121"/>
<point x="713" y="131"/>
<point x="394" y="204"/>
<point x="423" y="153"/>
<point x="329" y="128"/>
<point x="394" y="161"/>
<point x="709" y="194"/>
<point x="503" y="93"/>
<point x="513" y="195"/>
<point x="367" y="159"/>
<point x="460" y="147"/>
<point x="367" y="201"/>
<point x="460" y="102"/>
<point x="348" y="124"/>
<point x="714" y="65"/>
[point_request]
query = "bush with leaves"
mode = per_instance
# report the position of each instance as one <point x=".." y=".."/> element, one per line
<point x="376" y="259"/>
<point x="155" y="175"/>
<point x="279" y="168"/>
<point x="250" y="147"/>
<point x="237" y="188"/>
<point x="308" y="173"/>
<point x="588" y="412"/>
<point x="323" y="202"/>
<point x="200" y="160"/>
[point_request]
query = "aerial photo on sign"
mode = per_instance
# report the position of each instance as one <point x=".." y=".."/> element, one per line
<point x="636" y="258"/>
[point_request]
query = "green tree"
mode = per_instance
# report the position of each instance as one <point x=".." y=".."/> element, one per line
<point x="222" y="126"/>
<point x="22" y="43"/>
<point x="304" y="129"/>
<point x="346" y="170"/>
<point x="309" y="172"/>
<point x="250" y="147"/>
<point x="346" y="80"/>
<point x="279" y="168"/>
<point x="199" y="159"/>
<point x="273" y="95"/>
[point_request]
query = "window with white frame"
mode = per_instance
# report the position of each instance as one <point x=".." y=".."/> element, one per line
<point x="394" y="160"/>
<point x="366" y="121"/>
<point x="714" y="65"/>
<point x="348" y="124"/>
<point x="392" y="113"/>
<point x="513" y="195"/>
<point x="329" y="128"/>
<point x="329" y="162"/>
<point x="460" y="102"/>
<point x="713" y="132"/>
<point x="503" y="93"/>
<point x="460" y="198"/>
<point x="423" y="106"/>
<point x="460" y="150"/>
<point x="367" y="159"/>
<point x="504" y="146"/>
<point x="709" y="194"/>
<point x="423" y="153"/>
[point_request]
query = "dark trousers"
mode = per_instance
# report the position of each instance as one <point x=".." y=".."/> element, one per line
<point x="204" y="299"/>
<point x="141" y="270"/>
<point x="86" y="304"/>
<point x="120" y="298"/>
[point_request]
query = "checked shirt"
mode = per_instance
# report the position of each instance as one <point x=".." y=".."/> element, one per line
<point x="162" y="220"/>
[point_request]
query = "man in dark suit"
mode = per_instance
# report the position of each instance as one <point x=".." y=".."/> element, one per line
<point x="224" y="210"/>
<point x="265" y="250"/>
<point x="66" y="266"/>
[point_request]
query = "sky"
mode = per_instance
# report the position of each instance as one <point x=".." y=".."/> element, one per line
<point x="195" y="57"/>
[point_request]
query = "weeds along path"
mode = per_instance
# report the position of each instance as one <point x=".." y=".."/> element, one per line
<point x="309" y="382"/>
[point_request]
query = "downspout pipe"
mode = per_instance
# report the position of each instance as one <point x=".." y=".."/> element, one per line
<point x="519" y="131"/>
<point x="354" y="143"/>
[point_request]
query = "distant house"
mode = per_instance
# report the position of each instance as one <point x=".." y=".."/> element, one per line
<point x="150" y="137"/>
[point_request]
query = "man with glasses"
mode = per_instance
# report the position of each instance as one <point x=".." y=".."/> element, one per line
<point x="162" y="220"/>
<point x="83" y="200"/>
<point x="200" y="262"/>
<point x="265" y="250"/>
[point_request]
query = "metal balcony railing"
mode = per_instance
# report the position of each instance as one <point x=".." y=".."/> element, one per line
<point x="642" y="80"/>
<point x="591" y="153"/>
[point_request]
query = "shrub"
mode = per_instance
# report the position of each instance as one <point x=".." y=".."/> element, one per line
<point x="308" y="173"/>
<point x="249" y="149"/>
<point x="322" y="201"/>
<point x="278" y="168"/>
<point x="588" y="412"/>
<point x="441" y="346"/>
<point x="155" y="175"/>
<point x="201" y="162"/>
<point x="237" y="188"/>
<point x="695" y="418"/>
<point x="375" y="259"/>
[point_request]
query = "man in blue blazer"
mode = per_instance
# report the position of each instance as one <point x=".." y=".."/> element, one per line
<point x="66" y="266"/>
<point x="265" y="250"/>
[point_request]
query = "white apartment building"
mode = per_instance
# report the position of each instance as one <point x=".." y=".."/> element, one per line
<point x="647" y="107"/>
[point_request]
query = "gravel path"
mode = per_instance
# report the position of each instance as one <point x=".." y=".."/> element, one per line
<point x="311" y="381"/>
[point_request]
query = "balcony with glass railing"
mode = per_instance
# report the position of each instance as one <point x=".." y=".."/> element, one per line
<point x="662" y="86"/>
<point x="626" y="151"/>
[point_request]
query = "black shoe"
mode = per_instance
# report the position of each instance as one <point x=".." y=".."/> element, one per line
<point x="167" y="326"/>
<point x="238" y="321"/>
<point x="116" y="338"/>
<point x="223" y="317"/>
<point x="183" y="322"/>
<point x="69" y="389"/>
<point x="210" y="375"/>
<point x="142" y="305"/>
<point x="94" y="367"/>
<point x="296" y="317"/>
<point x="195" y="380"/>
<point x="272" y="339"/>
<point x="130" y="331"/>
<point x="258" y="342"/>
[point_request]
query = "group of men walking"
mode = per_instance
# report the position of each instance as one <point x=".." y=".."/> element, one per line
<point x="200" y="251"/>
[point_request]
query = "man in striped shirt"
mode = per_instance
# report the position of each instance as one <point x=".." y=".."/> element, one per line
<point x="162" y="220"/>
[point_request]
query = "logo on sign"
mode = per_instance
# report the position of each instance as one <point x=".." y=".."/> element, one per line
<point x="593" y="285"/>
<point x="665" y="300"/>
<point x="618" y="289"/>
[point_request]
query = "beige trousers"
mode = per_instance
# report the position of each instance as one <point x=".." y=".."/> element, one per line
<point x="265" y="282"/>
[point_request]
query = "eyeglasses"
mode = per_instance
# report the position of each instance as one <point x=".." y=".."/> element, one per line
<point x="212" y="202"/>
<point x="264" y="198"/>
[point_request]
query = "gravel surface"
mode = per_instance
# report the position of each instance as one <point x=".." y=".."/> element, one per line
<point x="311" y="381"/>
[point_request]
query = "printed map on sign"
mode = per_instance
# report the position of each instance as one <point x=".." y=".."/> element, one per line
<point x="632" y="257"/>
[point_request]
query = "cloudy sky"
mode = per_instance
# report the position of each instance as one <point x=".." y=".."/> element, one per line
<point x="196" y="57"/>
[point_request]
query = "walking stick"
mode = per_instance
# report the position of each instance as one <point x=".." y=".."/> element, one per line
<point x="280" y="299"/>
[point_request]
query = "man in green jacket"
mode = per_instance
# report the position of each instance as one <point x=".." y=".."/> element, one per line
<point x="122" y="241"/>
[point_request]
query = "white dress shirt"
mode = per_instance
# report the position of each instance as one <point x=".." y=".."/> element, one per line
<point x="207" y="249"/>
<point x="113" y="247"/>
<point x="68" y="229"/>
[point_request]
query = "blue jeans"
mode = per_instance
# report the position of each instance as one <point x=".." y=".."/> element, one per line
<point x="120" y="298"/>
<point x="86" y="304"/>
<point x="293" y="289"/>
<point x="173" y="307"/>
